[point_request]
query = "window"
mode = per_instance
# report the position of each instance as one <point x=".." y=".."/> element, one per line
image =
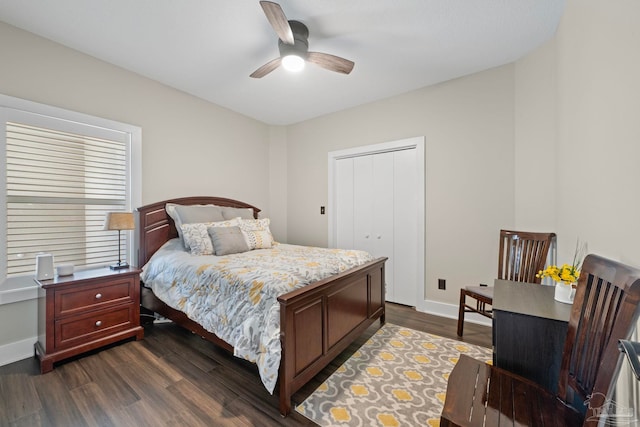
<point x="64" y="172"/>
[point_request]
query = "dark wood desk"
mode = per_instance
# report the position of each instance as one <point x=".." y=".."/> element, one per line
<point x="529" y="329"/>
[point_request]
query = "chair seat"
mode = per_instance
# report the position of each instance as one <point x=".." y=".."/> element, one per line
<point x="479" y="394"/>
<point x="483" y="296"/>
<point x="483" y="291"/>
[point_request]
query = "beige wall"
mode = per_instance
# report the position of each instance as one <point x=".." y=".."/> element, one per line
<point x="469" y="129"/>
<point x="278" y="182"/>
<point x="535" y="140"/>
<point x="598" y="102"/>
<point x="189" y="146"/>
<point x="577" y="109"/>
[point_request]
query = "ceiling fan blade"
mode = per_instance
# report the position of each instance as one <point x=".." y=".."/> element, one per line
<point x="331" y="62"/>
<point x="278" y="21"/>
<point x="266" y="68"/>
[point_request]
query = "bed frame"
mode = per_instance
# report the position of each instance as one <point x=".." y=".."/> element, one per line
<point x="317" y="322"/>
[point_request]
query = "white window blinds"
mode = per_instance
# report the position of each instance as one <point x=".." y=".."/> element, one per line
<point x="59" y="187"/>
<point x="62" y="171"/>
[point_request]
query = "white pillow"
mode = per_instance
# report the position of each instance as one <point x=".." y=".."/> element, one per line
<point x="229" y="212"/>
<point x="196" y="236"/>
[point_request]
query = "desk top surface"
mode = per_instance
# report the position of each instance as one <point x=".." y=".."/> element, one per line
<point x="530" y="299"/>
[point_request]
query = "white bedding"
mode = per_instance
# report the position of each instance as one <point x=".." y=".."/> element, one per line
<point x="235" y="296"/>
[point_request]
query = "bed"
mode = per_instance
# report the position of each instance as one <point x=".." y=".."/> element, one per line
<point x="316" y="322"/>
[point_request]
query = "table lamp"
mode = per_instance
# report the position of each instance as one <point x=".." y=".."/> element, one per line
<point x="120" y="221"/>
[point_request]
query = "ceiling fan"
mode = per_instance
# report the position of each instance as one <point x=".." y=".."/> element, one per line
<point x="294" y="46"/>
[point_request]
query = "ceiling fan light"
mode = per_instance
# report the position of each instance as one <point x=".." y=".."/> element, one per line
<point x="293" y="63"/>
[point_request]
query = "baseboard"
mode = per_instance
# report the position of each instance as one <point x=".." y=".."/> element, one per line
<point x="450" y="311"/>
<point x="18" y="350"/>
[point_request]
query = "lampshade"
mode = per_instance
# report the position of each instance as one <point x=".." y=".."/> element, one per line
<point x="120" y="221"/>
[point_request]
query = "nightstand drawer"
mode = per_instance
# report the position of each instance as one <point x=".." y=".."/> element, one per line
<point x="82" y="298"/>
<point x="82" y="329"/>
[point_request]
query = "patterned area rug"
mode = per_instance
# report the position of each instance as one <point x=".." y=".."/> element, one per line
<point x="397" y="378"/>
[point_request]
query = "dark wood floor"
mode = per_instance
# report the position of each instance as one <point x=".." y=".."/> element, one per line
<point x="171" y="378"/>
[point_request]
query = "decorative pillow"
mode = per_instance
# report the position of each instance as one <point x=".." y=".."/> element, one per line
<point x="257" y="233"/>
<point x="259" y="239"/>
<point x="255" y="224"/>
<point x="229" y="212"/>
<point x="227" y="240"/>
<point x="196" y="236"/>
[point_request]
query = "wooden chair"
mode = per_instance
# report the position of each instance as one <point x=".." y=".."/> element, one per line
<point x="605" y="311"/>
<point x="521" y="255"/>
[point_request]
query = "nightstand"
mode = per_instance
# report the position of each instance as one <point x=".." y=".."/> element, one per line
<point x="85" y="311"/>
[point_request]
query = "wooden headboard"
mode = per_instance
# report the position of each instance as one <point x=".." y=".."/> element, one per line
<point x="155" y="227"/>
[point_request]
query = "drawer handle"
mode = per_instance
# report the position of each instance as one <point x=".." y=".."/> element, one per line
<point x="98" y="296"/>
<point x="99" y="323"/>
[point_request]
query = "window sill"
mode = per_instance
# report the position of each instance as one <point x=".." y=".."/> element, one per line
<point x="18" y="289"/>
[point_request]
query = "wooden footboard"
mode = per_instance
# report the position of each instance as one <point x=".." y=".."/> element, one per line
<point x="319" y="321"/>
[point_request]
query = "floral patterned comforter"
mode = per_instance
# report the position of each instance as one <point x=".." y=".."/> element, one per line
<point x="235" y="296"/>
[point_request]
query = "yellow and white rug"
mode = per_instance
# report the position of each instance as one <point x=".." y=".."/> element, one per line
<point x="397" y="378"/>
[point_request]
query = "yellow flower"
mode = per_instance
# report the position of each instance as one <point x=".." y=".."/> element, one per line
<point x="567" y="273"/>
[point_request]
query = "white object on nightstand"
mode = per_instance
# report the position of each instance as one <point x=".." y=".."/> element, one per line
<point x="44" y="266"/>
<point x="64" y="269"/>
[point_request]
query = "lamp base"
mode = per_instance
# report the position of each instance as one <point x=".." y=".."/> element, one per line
<point x="119" y="266"/>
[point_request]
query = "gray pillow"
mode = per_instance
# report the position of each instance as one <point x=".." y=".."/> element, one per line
<point x="196" y="214"/>
<point x="230" y="213"/>
<point x="227" y="240"/>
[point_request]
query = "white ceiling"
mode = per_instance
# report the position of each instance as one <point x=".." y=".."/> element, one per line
<point x="208" y="48"/>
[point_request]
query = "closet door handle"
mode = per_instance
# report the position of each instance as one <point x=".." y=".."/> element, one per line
<point x="379" y="236"/>
<point x="366" y="236"/>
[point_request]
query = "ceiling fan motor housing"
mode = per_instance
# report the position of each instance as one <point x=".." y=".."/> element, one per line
<point x="300" y="46"/>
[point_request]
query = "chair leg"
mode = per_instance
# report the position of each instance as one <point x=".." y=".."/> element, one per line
<point x="461" y="312"/>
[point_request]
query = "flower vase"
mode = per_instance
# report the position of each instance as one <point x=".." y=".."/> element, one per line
<point x="564" y="293"/>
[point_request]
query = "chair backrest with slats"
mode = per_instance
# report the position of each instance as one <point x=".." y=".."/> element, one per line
<point x="605" y="310"/>
<point x="523" y="254"/>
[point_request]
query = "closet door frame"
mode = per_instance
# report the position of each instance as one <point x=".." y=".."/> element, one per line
<point x="416" y="143"/>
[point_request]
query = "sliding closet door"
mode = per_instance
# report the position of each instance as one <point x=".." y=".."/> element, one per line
<point x="363" y="194"/>
<point x="376" y="211"/>
<point x="405" y="220"/>
<point x="373" y="222"/>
